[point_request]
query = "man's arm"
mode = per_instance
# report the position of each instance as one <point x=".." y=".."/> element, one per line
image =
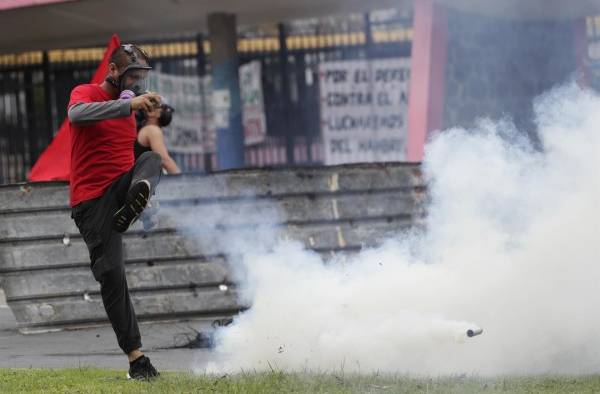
<point x="84" y="113"/>
<point x="90" y="112"/>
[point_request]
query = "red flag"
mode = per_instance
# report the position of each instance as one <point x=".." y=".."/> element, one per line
<point x="54" y="164"/>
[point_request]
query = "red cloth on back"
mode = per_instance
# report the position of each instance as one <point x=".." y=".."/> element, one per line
<point x="101" y="151"/>
<point x="54" y="164"/>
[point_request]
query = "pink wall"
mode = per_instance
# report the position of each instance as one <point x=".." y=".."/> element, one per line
<point x="581" y="49"/>
<point x="12" y="4"/>
<point x="426" y="100"/>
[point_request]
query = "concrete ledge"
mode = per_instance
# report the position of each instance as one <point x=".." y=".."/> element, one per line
<point x="176" y="270"/>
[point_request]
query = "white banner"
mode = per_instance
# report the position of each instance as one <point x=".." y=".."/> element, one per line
<point x="364" y="107"/>
<point x="253" y="106"/>
<point x="193" y="129"/>
<point x="184" y="94"/>
<point x="209" y="133"/>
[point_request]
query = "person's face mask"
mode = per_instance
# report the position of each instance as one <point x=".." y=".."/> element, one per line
<point x="135" y="80"/>
<point x="166" y="116"/>
<point x="134" y="77"/>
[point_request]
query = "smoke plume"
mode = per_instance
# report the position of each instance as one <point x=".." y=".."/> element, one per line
<point x="510" y="245"/>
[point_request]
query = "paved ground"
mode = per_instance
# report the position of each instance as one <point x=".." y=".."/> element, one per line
<point x="95" y="346"/>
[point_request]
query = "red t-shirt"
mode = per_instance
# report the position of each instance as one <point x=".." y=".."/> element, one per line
<point x="101" y="151"/>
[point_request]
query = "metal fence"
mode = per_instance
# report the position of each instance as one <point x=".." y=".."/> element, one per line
<point x="35" y="87"/>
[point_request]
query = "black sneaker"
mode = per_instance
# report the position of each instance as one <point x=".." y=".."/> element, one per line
<point x="142" y="369"/>
<point x="135" y="202"/>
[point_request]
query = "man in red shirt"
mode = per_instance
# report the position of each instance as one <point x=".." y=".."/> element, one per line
<point x="108" y="190"/>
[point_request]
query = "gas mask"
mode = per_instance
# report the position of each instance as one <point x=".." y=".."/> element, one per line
<point x="135" y="75"/>
<point x="134" y="79"/>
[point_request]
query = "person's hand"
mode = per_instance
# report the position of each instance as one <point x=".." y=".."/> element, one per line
<point x="146" y="102"/>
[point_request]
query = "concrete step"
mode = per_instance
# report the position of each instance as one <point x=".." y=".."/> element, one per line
<point x="2" y="298"/>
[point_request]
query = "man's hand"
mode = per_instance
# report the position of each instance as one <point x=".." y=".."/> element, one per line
<point x="146" y="102"/>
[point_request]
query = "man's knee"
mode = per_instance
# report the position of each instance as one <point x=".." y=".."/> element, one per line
<point x="148" y="167"/>
<point x="151" y="158"/>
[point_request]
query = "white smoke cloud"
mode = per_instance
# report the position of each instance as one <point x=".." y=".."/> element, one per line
<point x="510" y="245"/>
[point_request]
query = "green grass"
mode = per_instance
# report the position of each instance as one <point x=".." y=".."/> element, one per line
<point x="88" y="380"/>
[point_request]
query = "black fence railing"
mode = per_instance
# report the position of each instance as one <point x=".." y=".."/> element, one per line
<point x="35" y="88"/>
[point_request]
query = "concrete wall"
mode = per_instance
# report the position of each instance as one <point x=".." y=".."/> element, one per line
<point x="44" y="264"/>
